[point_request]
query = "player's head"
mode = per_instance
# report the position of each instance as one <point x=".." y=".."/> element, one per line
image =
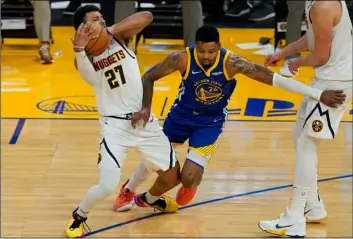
<point x="88" y="13"/>
<point x="207" y="45"/>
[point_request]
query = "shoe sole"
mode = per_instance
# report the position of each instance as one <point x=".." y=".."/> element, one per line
<point x="241" y="13"/>
<point x="272" y="15"/>
<point x="315" y="220"/>
<point x="125" y="208"/>
<point x="279" y="233"/>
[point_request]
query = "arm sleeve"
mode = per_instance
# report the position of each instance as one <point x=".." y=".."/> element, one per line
<point x="85" y="68"/>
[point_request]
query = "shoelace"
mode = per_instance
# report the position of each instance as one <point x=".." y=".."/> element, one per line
<point x="77" y="223"/>
<point x="158" y="207"/>
<point x="124" y="195"/>
<point x="44" y="50"/>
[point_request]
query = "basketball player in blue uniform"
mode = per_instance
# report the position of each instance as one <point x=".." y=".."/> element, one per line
<point x="199" y="111"/>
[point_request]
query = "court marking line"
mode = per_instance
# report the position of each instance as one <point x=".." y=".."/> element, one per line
<point x="229" y="120"/>
<point x="208" y="202"/>
<point x="17" y="131"/>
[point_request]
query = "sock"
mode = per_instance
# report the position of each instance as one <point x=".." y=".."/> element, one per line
<point x="150" y="199"/>
<point x="305" y="173"/>
<point x="140" y="174"/>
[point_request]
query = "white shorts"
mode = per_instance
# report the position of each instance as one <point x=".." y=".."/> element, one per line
<point x="322" y="121"/>
<point x="118" y="136"/>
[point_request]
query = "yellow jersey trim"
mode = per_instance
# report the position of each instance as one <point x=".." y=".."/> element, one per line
<point x="224" y="66"/>
<point x="187" y="71"/>
<point x="207" y="73"/>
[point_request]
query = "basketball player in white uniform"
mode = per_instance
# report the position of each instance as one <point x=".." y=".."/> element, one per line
<point x="329" y="39"/>
<point x="118" y="89"/>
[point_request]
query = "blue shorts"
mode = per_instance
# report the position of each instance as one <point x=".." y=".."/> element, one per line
<point x="202" y="131"/>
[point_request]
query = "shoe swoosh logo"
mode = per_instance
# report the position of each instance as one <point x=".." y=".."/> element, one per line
<point x="280" y="227"/>
<point x="307" y="211"/>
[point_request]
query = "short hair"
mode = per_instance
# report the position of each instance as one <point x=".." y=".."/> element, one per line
<point x="81" y="13"/>
<point x="207" y="33"/>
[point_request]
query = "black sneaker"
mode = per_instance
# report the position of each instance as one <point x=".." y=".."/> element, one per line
<point x="72" y="7"/>
<point x="239" y="8"/>
<point x="262" y="12"/>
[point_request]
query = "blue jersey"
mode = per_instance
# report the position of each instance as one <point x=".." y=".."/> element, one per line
<point x="204" y="92"/>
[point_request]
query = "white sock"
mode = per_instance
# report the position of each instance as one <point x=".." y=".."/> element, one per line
<point x="140" y="174"/>
<point x="305" y="173"/>
<point x="150" y="198"/>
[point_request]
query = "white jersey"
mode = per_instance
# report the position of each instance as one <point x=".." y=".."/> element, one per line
<point x="339" y="65"/>
<point x="118" y="87"/>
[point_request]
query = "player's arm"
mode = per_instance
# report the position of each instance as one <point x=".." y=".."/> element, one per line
<point x="298" y="46"/>
<point x="130" y="26"/>
<point x="176" y="61"/>
<point x="236" y="64"/>
<point x="85" y="67"/>
<point x="323" y="17"/>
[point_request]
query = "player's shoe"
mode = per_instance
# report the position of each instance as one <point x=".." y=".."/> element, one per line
<point x="124" y="200"/>
<point x="315" y="213"/>
<point x="185" y="195"/>
<point x="163" y="204"/>
<point x="286" y="225"/>
<point x="76" y="227"/>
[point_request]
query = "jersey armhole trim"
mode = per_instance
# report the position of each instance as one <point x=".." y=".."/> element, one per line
<point x="224" y="66"/>
<point x="120" y="43"/>
<point x="187" y="71"/>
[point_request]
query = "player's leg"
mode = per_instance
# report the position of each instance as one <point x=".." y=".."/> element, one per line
<point x="110" y="161"/>
<point x="314" y="210"/>
<point x="176" y="133"/>
<point x="42" y="22"/>
<point x="109" y="175"/>
<point x="316" y="121"/>
<point x="125" y="199"/>
<point x="158" y="154"/>
<point x="203" y="143"/>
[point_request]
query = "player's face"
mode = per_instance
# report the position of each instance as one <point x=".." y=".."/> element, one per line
<point x="95" y="17"/>
<point x="207" y="52"/>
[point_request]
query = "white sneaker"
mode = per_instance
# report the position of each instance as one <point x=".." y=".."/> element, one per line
<point x="285" y="225"/>
<point x="285" y="70"/>
<point x="315" y="213"/>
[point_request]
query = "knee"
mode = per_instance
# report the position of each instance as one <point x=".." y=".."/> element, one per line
<point x="107" y="188"/>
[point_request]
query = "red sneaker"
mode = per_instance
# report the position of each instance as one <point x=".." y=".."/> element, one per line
<point x="124" y="200"/>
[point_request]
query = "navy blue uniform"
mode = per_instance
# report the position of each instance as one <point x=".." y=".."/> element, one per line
<point x="199" y="111"/>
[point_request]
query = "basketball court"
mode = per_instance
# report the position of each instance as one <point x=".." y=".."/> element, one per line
<point x="50" y="138"/>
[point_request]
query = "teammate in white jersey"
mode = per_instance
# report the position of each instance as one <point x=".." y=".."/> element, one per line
<point x="329" y="39"/>
<point x="118" y="89"/>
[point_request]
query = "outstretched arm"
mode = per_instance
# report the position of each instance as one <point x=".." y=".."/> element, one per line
<point x="298" y="46"/>
<point x="237" y="64"/>
<point x="131" y="25"/>
<point x="176" y="61"/>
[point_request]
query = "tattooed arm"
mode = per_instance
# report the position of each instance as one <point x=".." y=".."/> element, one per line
<point x="176" y="61"/>
<point x="236" y="64"/>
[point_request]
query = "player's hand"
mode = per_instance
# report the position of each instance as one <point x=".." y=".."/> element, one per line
<point x="272" y="59"/>
<point x="333" y="98"/>
<point x="83" y="36"/>
<point x="293" y="66"/>
<point x="140" y="119"/>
